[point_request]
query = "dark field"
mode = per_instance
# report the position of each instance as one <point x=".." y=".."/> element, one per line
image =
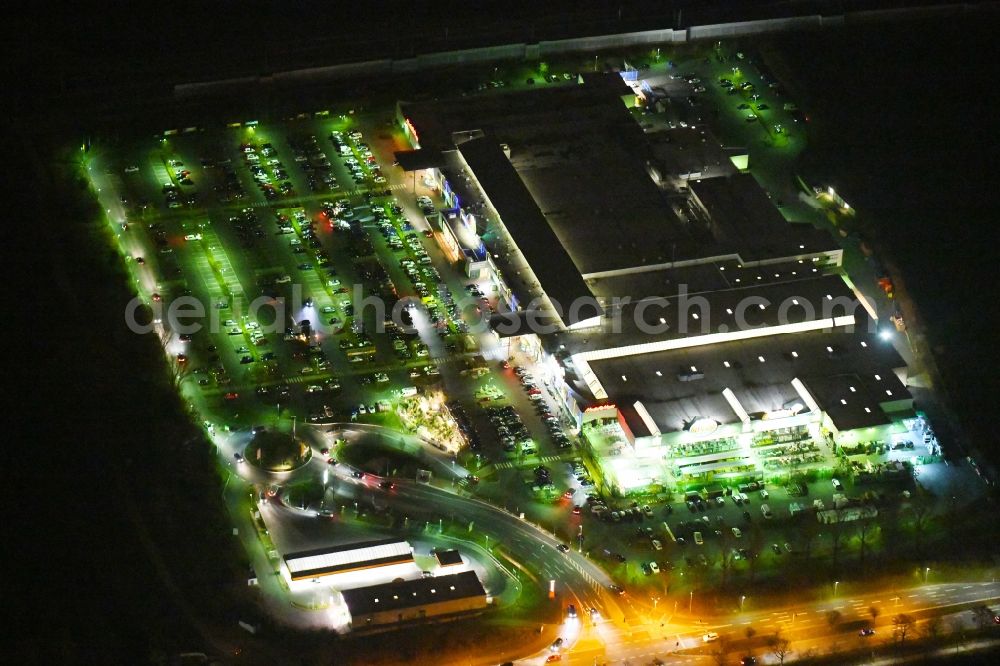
<point x="900" y="122"/>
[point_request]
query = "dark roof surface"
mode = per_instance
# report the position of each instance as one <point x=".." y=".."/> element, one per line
<point x="719" y="309"/>
<point x="356" y="545"/>
<point x="410" y="593"/>
<point x="745" y="219"/>
<point x="673" y="393"/>
<point x="448" y="557"/>
<point x="414" y="160"/>
<point x="557" y="275"/>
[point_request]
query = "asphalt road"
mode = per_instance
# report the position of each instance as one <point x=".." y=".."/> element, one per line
<point x="806" y="625"/>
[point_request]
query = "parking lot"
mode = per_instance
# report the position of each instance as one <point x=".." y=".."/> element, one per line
<point x="280" y="233"/>
<point x="311" y="213"/>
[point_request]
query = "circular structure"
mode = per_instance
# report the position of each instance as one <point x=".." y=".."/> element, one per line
<point x="277" y="451"/>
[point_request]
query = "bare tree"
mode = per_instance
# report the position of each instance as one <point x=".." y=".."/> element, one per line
<point x="957" y="627"/>
<point x="780" y="647"/>
<point x="866" y="527"/>
<point x="837" y="532"/>
<point x="808" y="532"/>
<point x="721" y="650"/>
<point x="833" y="618"/>
<point x="726" y="558"/>
<point x="874" y="612"/>
<point x="901" y="626"/>
<point x="756" y="539"/>
<point x="982" y="616"/>
<point x="932" y="629"/>
<point x="921" y="514"/>
<point x="889" y="522"/>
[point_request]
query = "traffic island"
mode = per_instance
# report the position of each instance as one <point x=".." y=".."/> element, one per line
<point x="277" y="451"/>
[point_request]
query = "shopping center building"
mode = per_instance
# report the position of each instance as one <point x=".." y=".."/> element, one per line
<point x="668" y="305"/>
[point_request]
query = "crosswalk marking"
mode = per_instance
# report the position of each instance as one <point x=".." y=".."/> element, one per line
<point x="510" y="464"/>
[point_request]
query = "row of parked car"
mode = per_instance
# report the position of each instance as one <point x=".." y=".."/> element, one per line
<point x="464" y="423"/>
<point x="510" y="429"/>
<point x="551" y="422"/>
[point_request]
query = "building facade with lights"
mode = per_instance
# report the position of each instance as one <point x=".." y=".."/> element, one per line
<point x="398" y="602"/>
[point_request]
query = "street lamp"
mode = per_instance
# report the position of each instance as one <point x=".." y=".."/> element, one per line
<point x="690" y="600"/>
<point x="835" y="584"/>
<point x="927" y="570"/>
<point x="743" y="598"/>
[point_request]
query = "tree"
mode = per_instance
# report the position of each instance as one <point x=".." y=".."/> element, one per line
<point x="178" y="370"/>
<point x="921" y="514"/>
<point x="932" y="629"/>
<point x="866" y="526"/>
<point x="721" y="650"/>
<point x="874" y="612"/>
<point x="901" y="626"/>
<point x="982" y="616"/>
<point x="833" y="618"/>
<point x="808" y="531"/>
<point x="756" y="543"/>
<point x="953" y="515"/>
<point x="726" y="558"/>
<point x="780" y="647"/>
<point x="889" y="521"/>
<point x="957" y="626"/>
<point x="837" y="530"/>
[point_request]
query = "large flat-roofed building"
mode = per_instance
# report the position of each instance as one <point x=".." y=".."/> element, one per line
<point x="744" y="221"/>
<point x="407" y="601"/>
<point x="574" y="202"/>
<point x="380" y="555"/>
<point x="526" y="226"/>
<point x="854" y="378"/>
<point x="563" y="187"/>
<point x="682" y="154"/>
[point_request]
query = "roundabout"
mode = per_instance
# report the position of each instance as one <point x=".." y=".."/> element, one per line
<point x="416" y="497"/>
<point x="274" y="451"/>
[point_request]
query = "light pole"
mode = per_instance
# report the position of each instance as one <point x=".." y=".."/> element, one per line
<point x="927" y="570"/>
<point x="690" y="600"/>
<point x="835" y="584"/>
<point x="743" y="598"/>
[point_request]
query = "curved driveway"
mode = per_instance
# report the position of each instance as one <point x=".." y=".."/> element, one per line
<point x="533" y="551"/>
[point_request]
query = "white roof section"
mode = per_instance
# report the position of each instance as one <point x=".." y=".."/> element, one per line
<point x="345" y="558"/>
